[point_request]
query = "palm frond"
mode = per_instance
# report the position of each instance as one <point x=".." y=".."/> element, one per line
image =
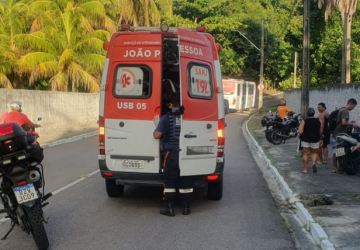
<point x="66" y="58"/>
<point x="110" y="25"/>
<point x="90" y="44"/>
<point x="92" y="9"/>
<point x="44" y="70"/>
<point x="31" y="60"/>
<point x="82" y="79"/>
<point x="34" y="41"/>
<point x="39" y="7"/>
<point x="92" y="63"/>
<point x="85" y="25"/>
<point x="153" y="13"/>
<point x="59" y="82"/>
<point x="5" y="82"/>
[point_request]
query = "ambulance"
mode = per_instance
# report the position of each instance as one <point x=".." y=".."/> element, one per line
<point x="142" y="65"/>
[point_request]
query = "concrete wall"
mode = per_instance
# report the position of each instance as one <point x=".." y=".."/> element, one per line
<point x="57" y="109"/>
<point x="334" y="97"/>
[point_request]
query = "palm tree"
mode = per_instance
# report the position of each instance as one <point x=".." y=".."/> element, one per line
<point x="12" y="24"/>
<point x="135" y="12"/>
<point x="65" y="48"/>
<point x="347" y="9"/>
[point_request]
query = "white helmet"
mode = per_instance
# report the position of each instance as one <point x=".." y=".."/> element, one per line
<point x="15" y="105"/>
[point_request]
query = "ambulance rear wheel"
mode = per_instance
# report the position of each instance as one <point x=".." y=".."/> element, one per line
<point x="112" y="189"/>
<point x="215" y="190"/>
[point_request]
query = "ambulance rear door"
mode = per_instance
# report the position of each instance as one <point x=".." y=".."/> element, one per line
<point x="132" y="103"/>
<point x="198" y="138"/>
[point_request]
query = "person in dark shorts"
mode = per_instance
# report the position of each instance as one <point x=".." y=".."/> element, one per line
<point x="325" y="137"/>
<point x="310" y="130"/>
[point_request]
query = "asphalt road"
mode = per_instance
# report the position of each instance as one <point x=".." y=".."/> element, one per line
<point x="81" y="216"/>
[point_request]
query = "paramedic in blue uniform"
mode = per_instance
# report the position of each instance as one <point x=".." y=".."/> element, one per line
<point x="168" y="131"/>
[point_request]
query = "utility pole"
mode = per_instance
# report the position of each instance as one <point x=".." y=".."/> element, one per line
<point x="261" y="76"/>
<point x="305" y="62"/>
<point x="261" y="82"/>
<point x="295" y="68"/>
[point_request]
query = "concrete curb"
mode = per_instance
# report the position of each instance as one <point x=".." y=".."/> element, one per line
<point x="68" y="140"/>
<point x="284" y="191"/>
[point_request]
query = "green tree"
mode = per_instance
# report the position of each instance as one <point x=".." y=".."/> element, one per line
<point x="12" y="25"/>
<point x="347" y="9"/>
<point x="136" y="12"/>
<point x="65" y="49"/>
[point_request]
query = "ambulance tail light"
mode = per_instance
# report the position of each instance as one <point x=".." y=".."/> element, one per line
<point x="212" y="177"/>
<point x="221" y="138"/>
<point x="101" y="135"/>
<point x="234" y="101"/>
<point x="106" y="174"/>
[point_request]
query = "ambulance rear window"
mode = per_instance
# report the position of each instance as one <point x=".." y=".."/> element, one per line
<point x="199" y="81"/>
<point x="132" y="81"/>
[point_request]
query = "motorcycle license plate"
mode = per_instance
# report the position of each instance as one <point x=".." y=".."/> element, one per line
<point x="137" y="164"/>
<point x="340" y="152"/>
<point x="25" y="193"/>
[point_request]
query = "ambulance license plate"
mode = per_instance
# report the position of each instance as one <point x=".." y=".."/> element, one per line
<point x="25" y="193"/>
<point x="138" y="164"/>
<point x="340" y="152"/>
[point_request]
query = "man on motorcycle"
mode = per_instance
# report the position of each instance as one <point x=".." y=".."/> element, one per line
<point x="282" y="110"/>
<point x="15" y="115"/>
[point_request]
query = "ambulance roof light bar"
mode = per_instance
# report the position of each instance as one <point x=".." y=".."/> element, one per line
<point x="124" y="27"/>
<point x="162" y="28"/>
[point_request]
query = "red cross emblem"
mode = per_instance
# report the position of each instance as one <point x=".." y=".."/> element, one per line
<point x="125" y="80"/>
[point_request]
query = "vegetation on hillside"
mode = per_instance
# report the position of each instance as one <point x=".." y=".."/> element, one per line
<point x="57" y="44"/>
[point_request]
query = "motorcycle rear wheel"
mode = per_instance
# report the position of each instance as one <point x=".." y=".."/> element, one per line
<point x="276" y="137"/>
<point x="34" y="218"/>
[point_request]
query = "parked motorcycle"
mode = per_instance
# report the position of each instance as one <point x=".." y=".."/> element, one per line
<point x="268" y="121"/>
<point x="22" y="184"/>
<point x="348" y="161"/>
<point x="281" y="131"/>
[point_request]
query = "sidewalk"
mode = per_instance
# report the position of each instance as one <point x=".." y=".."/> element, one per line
<point x="341" y="219"/>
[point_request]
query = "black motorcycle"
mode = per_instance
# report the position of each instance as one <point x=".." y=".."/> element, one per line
<point x="269" y="121"/>
<point x="281" y="131"/>
<point x="347" y="160"/>
<point x="22" y="184"/>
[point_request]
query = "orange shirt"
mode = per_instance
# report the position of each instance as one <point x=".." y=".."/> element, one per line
<point x="15" y="116"/>
<point x="282" y="111"/>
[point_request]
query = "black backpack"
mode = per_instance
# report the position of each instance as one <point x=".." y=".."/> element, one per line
<point x="333" y="119"/>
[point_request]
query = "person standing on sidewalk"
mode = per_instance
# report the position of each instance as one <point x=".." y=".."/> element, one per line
<point x="310" y="131"/>
<point x="343" y="124"/>
<point x="325" y="137"/>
